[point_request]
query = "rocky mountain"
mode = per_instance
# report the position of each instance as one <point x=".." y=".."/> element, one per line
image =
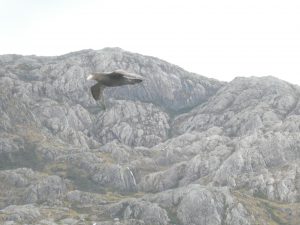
<point x="178" y="149"/>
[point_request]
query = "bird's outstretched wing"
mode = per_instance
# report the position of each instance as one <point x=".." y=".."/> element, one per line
<point x="97" y="90"/>
<point x="122" y="73"/>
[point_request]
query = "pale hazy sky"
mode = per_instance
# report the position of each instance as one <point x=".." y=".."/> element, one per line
<point x="216" y="38"/>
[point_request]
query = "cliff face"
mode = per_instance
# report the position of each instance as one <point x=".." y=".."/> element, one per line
<point x="177" y="149"/>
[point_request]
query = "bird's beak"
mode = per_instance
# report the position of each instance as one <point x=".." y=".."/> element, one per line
<point x="90" y="77"/>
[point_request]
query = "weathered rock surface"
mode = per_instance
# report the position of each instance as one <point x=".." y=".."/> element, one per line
<point x="179" y="148"/>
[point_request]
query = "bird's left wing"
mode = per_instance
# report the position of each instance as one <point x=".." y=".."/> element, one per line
<point x="97" y="90"/>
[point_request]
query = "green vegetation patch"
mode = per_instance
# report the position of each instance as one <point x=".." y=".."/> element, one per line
<point x="25" y="157"/>
<point x="270" y="212"/>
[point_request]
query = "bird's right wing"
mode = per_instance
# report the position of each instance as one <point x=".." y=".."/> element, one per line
<point x="123" y="73"/>
<point x="97" y="90"/>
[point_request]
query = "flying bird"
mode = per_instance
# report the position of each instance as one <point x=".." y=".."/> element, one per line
<point x="112" y="79"/>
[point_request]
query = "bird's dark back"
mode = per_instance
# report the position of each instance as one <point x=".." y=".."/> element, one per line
<point x="113" y="80"/>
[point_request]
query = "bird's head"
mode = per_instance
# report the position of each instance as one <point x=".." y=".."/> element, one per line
<point x="90" y="77"/>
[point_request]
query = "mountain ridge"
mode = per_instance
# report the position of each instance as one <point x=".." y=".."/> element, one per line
<point x="177" y="149"/>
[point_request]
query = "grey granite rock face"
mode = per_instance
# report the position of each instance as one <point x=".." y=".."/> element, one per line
<point x="197" y="204"/>
<point x="21" y="214"/>
<point x="150" y="213"/>
<point x="244" y="106"/>
<point x="133" y="123"/>
<point x="49" y="189"/>
<point x="179" y="148"/>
